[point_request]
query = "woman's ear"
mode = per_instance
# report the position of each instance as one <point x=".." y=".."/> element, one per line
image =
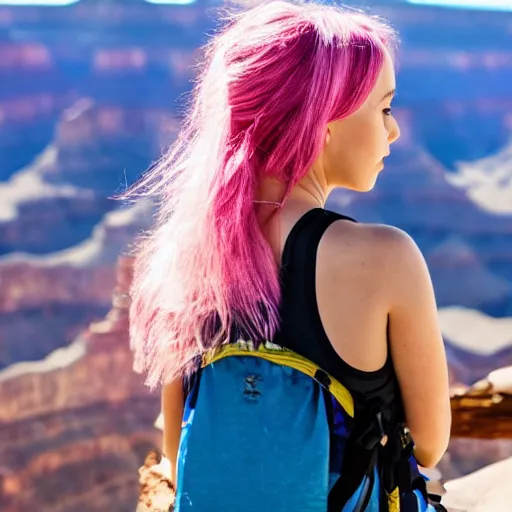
<point x="327" y="136"/>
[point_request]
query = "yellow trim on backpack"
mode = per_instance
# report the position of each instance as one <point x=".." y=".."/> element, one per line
<point x="394" y="501"/>
<point x="285" y="357"/>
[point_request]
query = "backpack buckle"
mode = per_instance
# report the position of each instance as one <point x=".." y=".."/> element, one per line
<point x="374" y="435"/>
<point x="323" y="379"/>
<point x="383" y="436"/>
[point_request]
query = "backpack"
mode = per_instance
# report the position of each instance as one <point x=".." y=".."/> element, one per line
<point x="265" y="429"/>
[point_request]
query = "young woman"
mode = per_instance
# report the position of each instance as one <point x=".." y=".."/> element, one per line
<point x="294" y="101"/>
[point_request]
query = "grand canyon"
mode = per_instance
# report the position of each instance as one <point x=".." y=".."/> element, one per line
<point x="90" y="95"/>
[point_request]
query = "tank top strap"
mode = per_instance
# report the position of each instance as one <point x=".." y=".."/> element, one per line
<point x="303" y="240"/>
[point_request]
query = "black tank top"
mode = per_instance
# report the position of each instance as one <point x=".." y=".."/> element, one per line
<point x="301" y="329"/>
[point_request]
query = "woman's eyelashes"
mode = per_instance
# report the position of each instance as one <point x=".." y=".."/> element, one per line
<point x="387" y="111"/>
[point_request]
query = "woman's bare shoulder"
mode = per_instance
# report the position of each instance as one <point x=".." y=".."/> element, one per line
<point x="381" y="244"/>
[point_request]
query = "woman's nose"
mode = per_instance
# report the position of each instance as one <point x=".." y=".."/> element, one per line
<point x="394" y="131"/>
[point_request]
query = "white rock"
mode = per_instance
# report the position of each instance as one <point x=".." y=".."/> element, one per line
<point x="475" y="331"/>
<point x="501" y="381"/>
<point x="486" y="490"/>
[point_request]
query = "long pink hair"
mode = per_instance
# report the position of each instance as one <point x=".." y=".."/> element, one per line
<point x="271" y="80"/>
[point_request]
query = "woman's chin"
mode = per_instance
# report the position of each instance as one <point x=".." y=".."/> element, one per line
<point x="367" y="187"/>
<point x="364" y="185"/>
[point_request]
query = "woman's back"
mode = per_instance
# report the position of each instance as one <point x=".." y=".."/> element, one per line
<point x="341" y="327"/>
<point x="343" y="285"/>
<point x="358" y="300"/>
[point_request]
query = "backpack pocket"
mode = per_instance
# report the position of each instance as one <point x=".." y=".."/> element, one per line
<point x="256" y="433"/>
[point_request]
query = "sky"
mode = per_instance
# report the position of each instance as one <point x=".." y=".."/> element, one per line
<point x="499" y="5"/>
<point x="69" y="2"/>
<point x="495" y="5"/>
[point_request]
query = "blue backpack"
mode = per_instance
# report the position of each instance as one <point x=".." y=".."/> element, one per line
<point x="265" y="429"/>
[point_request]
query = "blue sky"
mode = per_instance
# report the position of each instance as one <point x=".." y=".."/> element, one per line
<point x="69" y="2"/>
<point x="499" y="5"/>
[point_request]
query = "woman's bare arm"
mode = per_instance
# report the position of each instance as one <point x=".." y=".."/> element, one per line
<point x="417" y="347"/>
<point x="172" y="410"/>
